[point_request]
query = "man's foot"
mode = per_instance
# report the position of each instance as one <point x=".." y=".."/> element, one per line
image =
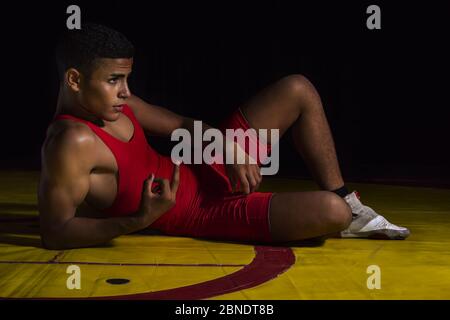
<point x="368" y="224"/>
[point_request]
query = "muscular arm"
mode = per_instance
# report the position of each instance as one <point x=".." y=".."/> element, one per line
<point x="159" y="121"/>
<point x="67" y="160"/>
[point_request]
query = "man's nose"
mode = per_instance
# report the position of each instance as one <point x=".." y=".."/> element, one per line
<point x="124" y="93"/>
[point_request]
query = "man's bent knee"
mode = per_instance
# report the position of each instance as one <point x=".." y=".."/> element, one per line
<point x="339" y="215"/>
<point x="296" y="83"/>
<point x="299" y="88"/>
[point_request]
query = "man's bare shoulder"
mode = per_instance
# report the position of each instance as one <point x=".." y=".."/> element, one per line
<point x="68" y="140"/>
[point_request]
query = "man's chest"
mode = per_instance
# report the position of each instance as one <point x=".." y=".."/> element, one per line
<point x="103" y="179"/>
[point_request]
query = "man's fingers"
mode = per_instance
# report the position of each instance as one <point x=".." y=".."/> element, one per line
<point x="152" y="177"/>
<point x="175" y="178"/>
<point x="157" y="188"/>
<point x="244" y="183"/>
<point x="258" y="183"/>
<point x="252" y="181"/>
<point x="164" y="185"/>
<point x="167" y="187"/>
<point x="148" y="183"/>
<point x="258" y="177"/>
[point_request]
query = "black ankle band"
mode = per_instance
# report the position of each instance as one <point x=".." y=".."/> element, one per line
<point x="342" y="191"/>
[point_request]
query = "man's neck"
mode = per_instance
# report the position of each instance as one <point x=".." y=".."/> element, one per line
<point x="66" y="105"/>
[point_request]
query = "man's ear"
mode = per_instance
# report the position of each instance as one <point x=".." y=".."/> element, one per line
<point x="73" y="78"/>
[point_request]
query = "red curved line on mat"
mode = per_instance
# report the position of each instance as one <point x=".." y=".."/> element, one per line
<point x="269" y="262"/>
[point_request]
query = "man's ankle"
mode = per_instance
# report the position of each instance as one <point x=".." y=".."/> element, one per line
<point x="342" y="191"/>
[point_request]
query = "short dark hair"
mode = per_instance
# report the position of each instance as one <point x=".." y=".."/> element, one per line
<point x="80" y="48"/>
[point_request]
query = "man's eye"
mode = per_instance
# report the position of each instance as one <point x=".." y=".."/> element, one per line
<point x="112" y="81"/>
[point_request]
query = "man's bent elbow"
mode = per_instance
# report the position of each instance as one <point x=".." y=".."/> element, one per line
<point x="50" y="242"/>
<point x="54" y="241"/>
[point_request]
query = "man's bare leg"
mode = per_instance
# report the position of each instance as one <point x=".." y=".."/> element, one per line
<point x="294" y="102"/>
<point x="304" y="215"/>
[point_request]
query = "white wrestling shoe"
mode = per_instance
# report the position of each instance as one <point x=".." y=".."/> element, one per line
<point x="369" y="224"/>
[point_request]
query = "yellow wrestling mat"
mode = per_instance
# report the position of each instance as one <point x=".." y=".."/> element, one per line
<point x="148" y="266"/>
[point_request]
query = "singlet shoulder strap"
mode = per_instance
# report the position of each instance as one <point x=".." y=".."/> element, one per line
<point x="100" y="132"/>
<point x="126" y="110"/>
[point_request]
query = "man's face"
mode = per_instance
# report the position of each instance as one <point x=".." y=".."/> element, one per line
<point x="106" y="88"/>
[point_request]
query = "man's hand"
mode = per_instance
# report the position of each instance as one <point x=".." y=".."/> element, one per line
<point x="154" y="203"/>
<point x="247" y="174"/>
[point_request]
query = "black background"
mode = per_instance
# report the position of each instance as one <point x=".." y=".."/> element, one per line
<point x="385" y="91"/>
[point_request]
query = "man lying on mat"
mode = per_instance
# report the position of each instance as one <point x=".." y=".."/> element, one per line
<point x="101" y="179"/>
